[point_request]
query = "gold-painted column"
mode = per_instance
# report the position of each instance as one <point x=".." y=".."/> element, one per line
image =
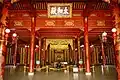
<point x="78" y="49"/>
<point x="44" y="52"/>
<point x="74" y="51"/>
<point x="94" y="56"/>
<point x="39" y="51"/>
<point x="52" y="55"/>
<point x="68" y="55"/>
<point x="49" y="54"/>
<point x="65" y="52"/>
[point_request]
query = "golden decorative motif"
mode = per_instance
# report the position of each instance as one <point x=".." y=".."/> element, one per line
<point x="18" y="23"/>
<point x="12" y="15"/>
<point x="58" y="47"/>
<point x="107" y="14"/>
<point x="25" y="15"/>
<point x="41" y="15"/>
<point x="116" y="14"/>
<point x="93" y="15"/>
<point x="69" y="23"/>
<point x="50" y="23"/>
<point x="59" y="43"/>
<point x="76" y="14"/>
<point x="100" y="22"/>
<point x="59" y="57"/>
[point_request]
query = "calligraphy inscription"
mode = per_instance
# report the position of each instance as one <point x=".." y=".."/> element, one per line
<point x="59" y="10"/>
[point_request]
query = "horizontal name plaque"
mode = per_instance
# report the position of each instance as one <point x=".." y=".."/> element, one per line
<point x="59" y="10"/>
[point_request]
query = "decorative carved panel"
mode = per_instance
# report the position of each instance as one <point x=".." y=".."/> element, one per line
<point x="25" y="15"/>
<point x="62" y="42"/>
<point x="41" y="15"/>
<point x="69" y="23"/>
<point x="49" y="23"/>
<point x="59" y="57"/>
<point x="100" y="22"/>
<point x="58" y="47"/>
<point x="79" y="23"/>
<point x="12" y="15"/>
<point x="76" y="14"/>
<point x="93" y="15"/>
<point x="107" y="14"/>
<point x="18" y="23"/>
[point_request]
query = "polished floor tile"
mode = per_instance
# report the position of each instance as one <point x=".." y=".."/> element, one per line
<point x="109" y="73"/>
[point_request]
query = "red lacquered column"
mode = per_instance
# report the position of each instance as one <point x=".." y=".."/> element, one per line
<point x="117" y="49"/>
<point x="74" y="51"/>
<point x="33" y="24"/>
<point x="2" y="40"/>
<point x="86" y="43"/>
<point x="103" y="54"/>
<point x="26" y="56"/>
<point x="116" y="12"/>
<point x="15" y="52"/>
<point x="2" y="53"/>
<point x="39" y="52"/>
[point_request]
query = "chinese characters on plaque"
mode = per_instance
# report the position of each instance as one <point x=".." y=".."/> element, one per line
<point x="59" y="10"/>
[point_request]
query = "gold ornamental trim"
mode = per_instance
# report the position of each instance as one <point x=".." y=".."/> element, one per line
<point x="59" y="43"/>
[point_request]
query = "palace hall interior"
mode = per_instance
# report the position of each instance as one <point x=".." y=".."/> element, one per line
<point x="59" y="39"/>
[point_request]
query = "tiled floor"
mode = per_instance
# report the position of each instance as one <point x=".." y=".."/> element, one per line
<point x="108" y="74"/>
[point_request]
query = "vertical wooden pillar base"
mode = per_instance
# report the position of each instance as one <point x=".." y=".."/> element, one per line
<point x="118" y="71"/>
<point x="30" y="73"/>
<point x="14" y="66"/>
<point x="88" y="73"/>
<point x="117" y="53"/>
<point x="1" y="78"/>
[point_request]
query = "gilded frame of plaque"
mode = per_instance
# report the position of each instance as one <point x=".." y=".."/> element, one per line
<point x="59" y="5"/>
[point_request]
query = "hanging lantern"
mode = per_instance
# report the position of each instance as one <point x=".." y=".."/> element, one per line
<point x="104" y="37"/>
<point x="114" y="30"/>
<point x="14" y="35"/>
<point x="7" y="31"/>
<point x="108" y="1"/>
<point x="13" y="1"/>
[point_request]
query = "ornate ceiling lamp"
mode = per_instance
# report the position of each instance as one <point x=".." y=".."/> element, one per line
<point x="108" y="1"/>
<point x="13" y="1"/>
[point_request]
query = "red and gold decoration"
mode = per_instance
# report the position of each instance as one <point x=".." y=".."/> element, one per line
<point x="86" y="43"/>
<point x="32" y="45"/>
<point x="58" y="33"/>
<point x="69" y="23"/>
<point x="116" y="12"/>
<point x="49" y="23"/>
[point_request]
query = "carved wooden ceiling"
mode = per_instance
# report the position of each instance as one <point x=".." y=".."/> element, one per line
<point x="99" y="20"/>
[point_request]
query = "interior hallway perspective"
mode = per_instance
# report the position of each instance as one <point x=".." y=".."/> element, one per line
<point x="109" y="73"/>
<point x="59" y="39"/>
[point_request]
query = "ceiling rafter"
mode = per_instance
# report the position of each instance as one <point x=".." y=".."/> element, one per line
<point x="43" y="5"/>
